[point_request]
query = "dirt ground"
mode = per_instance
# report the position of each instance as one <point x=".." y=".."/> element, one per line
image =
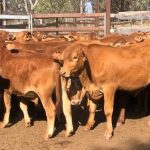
<point x="133" y="135"/>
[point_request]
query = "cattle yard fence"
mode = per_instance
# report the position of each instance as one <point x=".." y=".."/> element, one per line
<point x="122" y="22"/>
<point x="18" y="18"/>
<point x="131" y="21"/>
<point x="66" y="22"/>
<point x="69" y="22"/>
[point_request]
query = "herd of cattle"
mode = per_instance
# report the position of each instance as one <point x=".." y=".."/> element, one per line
<point x="34" y="66"/>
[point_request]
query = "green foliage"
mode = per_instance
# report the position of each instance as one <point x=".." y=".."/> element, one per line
<point x="128" y="5"/>
<point x="15" y="7"/>
<point x="60" y="6"/>
<point x="57" y="6"/>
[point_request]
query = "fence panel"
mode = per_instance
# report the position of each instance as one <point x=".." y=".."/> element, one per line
<point x="89" y="22"/>
<point x="17" y="17"/>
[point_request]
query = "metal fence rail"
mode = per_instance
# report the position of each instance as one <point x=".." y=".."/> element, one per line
<point x="74" y="25"/>
<point x="17" y="17"/>
<point x="68" y="15"/>
<point x="136" y="20"/>
<point x="78" y="18"/>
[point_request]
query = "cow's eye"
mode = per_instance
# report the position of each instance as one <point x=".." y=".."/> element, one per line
<point x="75" y="57"/>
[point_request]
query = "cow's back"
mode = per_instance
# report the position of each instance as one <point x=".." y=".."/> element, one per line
<point x="119" y="65"/>
<point x="26" y="71"/>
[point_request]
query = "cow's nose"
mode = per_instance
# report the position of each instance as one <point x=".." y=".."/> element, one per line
<point x="62" y="72"/>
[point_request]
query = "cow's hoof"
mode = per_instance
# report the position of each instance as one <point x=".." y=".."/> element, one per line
<point x="119" y="123"/>
<point x="5" y="125"/>
<point x="28" y="124"/>
<point x="68" y="134"/>
<point x="87" y="128"/>
<point x="47" y="137"/>
<point x="108" y="135"/>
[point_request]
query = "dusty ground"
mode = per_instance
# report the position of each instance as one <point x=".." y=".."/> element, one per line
<point x="133" y="135"/>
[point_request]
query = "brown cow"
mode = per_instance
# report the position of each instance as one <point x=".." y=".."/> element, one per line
<point x="109" y="69"/>
<point x="21" y="36"/>
<point x="73" y="36"/>
<point x="26" y="74"/>
<point x="122" y="40"/>
<point x="36" y="46"/>
<point x="27" y="37"/>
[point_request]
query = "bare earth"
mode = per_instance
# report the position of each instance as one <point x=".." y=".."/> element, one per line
<point x="133" y="135"/>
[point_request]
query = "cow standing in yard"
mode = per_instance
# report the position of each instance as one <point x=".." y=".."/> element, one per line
<point x="106" y="69"/>
<point x="29" y="74"/>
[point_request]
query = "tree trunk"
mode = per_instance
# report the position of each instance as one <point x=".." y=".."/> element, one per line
<point x="26" y="6"/>
<point x="81" y="6"/>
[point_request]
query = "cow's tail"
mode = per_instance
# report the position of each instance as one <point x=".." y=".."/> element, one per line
<point x="58" y="92"/>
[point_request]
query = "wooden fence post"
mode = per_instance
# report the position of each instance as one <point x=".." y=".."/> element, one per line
<point x="105" y="28"/>
<point x="57" y="26"/>
<point x="1" y="11"/>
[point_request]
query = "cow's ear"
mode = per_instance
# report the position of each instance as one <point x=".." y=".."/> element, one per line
<point x="84" y="58"/>
<point x="83" y="48"/>
<point x="57" y="55"/>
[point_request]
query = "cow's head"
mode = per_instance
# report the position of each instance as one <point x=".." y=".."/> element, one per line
<point x="4" y="36"/>
<point x="72" y="59"/>
<point x="139" y="39"/>
<point x="21" y="36"/>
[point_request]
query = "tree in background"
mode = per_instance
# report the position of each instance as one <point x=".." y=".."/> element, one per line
<point x="13" y="7"/>
<point x="30" y="5"/>
<point x="128" y="5"/>
<point x="19" y="6"/>
<point x="58" y="6"/>
<point x="68" y="6"/>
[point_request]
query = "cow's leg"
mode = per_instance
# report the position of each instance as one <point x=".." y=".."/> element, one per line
<point x="24" y="108"/>
<point x="49" y="108"/>
<point x="7" y="103"/>
<point x="121" y="118"/>
<point x="68" y="115"/>
<point x="91" y="121"/>
<point x="123" y="98"/>
<point x="109" y="93"/>
<point x="66" y="108"/>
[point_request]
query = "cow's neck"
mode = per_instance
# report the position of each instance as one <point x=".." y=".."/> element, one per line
<point x="86" y="82"/>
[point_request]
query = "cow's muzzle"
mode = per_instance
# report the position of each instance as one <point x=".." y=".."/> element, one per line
<point x="64" y="73"/>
